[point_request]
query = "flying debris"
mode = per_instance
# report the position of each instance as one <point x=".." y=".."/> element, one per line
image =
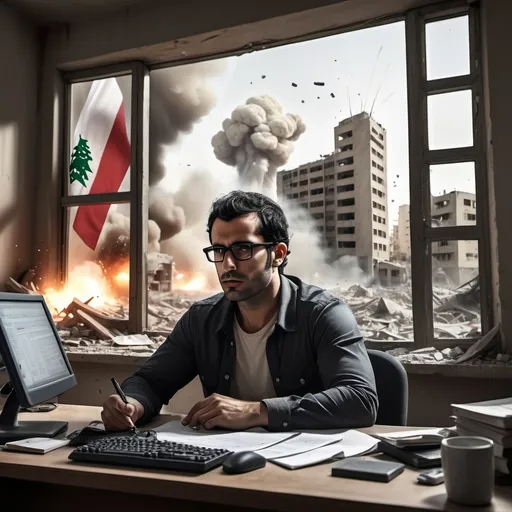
<point x="294" y="84"/>
<point x="257" y="139"/>
<point x="332" y="95"/>
<point x="320" y="84"/>
<point x="263" y="76"/>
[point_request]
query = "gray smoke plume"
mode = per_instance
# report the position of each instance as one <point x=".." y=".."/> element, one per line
<point x="180" y="97"/>
<point x="257" y="139"/>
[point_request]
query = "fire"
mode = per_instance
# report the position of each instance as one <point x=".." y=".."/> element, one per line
<point x="85" y="281"/>
<point x="195" y="282"/>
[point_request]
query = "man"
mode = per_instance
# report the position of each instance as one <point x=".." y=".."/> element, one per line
<point x="270" y="351"/>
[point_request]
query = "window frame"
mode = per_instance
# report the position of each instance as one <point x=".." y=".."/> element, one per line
<point x="419" y="158"/>
<point x="137" y="197"/>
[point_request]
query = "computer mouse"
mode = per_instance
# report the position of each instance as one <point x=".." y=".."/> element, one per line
<point x="243" y="462"/>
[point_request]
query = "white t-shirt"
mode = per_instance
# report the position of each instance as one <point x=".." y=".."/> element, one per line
<point x="252" y="380"/>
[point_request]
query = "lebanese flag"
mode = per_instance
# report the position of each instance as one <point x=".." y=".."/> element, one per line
<point x="101" y="152"/>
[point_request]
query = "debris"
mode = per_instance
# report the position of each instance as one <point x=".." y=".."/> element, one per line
<point x="320" y="84"/>
<point x="438" y="356"/>
<point x="294" y="84"/>
<point x="132" y="340"/>
<point x="482" y="345"/>
<point x="503" y="358"/>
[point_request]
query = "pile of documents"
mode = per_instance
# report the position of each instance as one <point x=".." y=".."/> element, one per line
<point x="291" y="450"/>
<point x="491" y="419"/>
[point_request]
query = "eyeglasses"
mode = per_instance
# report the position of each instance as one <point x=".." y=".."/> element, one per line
<point x="240" y="251"/>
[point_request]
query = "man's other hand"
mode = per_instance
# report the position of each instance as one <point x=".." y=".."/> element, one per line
<point x="225" y="412"/>
<point x="116" y="415"/>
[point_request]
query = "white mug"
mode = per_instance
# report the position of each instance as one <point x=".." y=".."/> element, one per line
<point x="468" y="466"/>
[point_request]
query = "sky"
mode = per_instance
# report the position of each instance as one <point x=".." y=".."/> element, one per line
<point x="364" y="70"/>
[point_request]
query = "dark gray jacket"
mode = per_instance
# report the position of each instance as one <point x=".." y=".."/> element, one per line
<point x="321" y="372"/>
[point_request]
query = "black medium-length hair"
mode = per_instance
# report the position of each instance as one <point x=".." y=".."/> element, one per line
<point x="273" y="225"/>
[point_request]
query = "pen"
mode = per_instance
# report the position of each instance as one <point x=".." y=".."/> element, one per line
<point x="119" y="391"/>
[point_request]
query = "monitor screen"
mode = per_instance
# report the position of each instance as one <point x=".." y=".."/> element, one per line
<point x="33" y="343"/>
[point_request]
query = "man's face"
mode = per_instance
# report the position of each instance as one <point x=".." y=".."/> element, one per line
<point x="242" y="280"/>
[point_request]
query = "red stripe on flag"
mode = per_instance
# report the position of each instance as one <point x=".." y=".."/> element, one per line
<point x="114" y="163"/>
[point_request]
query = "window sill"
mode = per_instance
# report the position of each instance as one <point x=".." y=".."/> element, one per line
<point x="485" y="370"/>
<point x="99" y="358"/>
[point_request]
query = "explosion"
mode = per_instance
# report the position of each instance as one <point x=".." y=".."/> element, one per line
<point x="257" y="139"/>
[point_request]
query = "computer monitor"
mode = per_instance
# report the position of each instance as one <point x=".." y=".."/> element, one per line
<point x="36" y="363"/>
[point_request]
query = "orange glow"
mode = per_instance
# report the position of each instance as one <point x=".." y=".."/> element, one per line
<point x="192" y="282"/>
<point x="84" y="281"/>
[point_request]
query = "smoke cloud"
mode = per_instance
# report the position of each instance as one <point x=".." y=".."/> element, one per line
<point x="257" y="139"/>
<point x="180" y="97"/>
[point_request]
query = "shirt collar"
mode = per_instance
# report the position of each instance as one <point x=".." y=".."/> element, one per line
<point x="286" y="318"/>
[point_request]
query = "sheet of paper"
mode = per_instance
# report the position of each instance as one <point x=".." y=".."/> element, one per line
<point x="501" y="408"/>
<point x="304" y="442"/>
<point x="132" y="340"/>
<point x="353" y="443"/>
<point x="250" y="440"/>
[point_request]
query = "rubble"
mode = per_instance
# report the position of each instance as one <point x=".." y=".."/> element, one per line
<point x="384" y="314"/>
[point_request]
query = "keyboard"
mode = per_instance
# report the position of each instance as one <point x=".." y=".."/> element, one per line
<point x="149" y="452"/>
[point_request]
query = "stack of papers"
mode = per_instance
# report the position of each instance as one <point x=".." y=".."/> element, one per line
<point x="291" y="450"/>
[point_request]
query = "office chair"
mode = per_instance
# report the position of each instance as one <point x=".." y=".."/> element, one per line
<point x="392" y="388"/>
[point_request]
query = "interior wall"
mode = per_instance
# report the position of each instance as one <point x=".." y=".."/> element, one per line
<point x="497" y="18"/>
<point x="18" y="143"/>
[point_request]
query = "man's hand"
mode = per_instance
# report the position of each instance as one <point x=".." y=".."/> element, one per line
<point x="225" y="412"/>
<point x="116" y="415"/>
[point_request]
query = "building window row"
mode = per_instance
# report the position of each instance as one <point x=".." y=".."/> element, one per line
<point x="345" y="175"/>
<point x="380" y="247"/>
<point x="344" y="188"/>
<point x="316" y="204"/>
<point x="345" y="135"/>
<point x="346" y="216"/>
<point x="347" y="231"/>
<point x="381" y="146"/>
<point x="346" y="161"/>
<point x="378" y="192"/>
<point x="379" y="206"/>
<point x="319" y="179"/>
<point x="317" y="191"/>
<point x="346" y="245"/>
<point x="380" y="181"/>
<point x="378" y="219"/>
<point x="378" y="232"/>
<point x="347" y="202"/>
<point x="444" y="256"/>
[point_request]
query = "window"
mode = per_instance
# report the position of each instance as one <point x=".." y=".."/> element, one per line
<point x="451" y="137"/>
<point x="345" y="175"/>
<point x="316" y="204"/>
<point x="303" y="183"/>
<point x="345" y="135"/>
<point x="317" y="216"/>
<point x="347" y="231"/>
<point x="344" y="188"/>
<point x="346" y="202"/>
<point x="347" y="245"/>
<point x="319" y="179"/>
<point x="346" y="161"/>
<point x="444" y="152"/>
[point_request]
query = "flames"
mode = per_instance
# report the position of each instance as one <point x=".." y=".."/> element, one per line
<point x="193" y="282"/>
<point x="101" y="287"/>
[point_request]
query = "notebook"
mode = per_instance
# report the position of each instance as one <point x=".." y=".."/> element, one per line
<point x="417" y="457"/>
<point x="415" y="438"/>
<point x="40" y="445"/>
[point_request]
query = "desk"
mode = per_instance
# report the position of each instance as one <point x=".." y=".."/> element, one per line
<point x="52" y="482"/>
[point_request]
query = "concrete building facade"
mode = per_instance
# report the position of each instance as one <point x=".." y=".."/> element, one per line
<point x="458" y="259"/>
<point x="404" y="233"/>
<point x="346" y="192"/>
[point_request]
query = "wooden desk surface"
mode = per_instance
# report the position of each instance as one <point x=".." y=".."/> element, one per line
<point x="271" y="488"/>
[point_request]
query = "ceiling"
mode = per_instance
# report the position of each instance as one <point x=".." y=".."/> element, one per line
<point x="46" y="12"/>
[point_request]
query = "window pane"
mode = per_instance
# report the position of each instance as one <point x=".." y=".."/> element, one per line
<point x="453" y="194"/>
<point x="98" y="259"/>
<point x="99" y="138"/>
<point x="447" y="48"/>
<point x="450" y="120"/>
<point x="456" y="289"/>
